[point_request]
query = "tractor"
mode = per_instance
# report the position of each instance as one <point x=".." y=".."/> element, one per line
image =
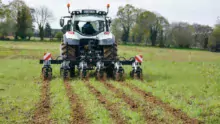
<point x="87" y="45"/>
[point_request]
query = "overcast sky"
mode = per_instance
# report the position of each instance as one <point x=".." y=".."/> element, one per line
<point x="199" y="11"/>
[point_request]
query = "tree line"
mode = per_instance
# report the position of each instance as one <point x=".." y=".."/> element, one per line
<point x="17" y="19"/>
<point x="139" y="26"/>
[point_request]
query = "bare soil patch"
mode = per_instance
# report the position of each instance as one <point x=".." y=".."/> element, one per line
<point x="43" y="109"/>
<point x="78" y="114"/>
<point x="110" y="107"/>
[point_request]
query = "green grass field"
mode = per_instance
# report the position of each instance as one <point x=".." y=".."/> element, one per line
<point x="185" y="80"/>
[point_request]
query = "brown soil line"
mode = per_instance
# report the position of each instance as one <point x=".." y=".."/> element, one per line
<point x="78" y="114"/>
<point x="110" y="107"/>
<point x="150" y="98"/>
<point x="41" y="114"/>
<point x="146" y="110"/>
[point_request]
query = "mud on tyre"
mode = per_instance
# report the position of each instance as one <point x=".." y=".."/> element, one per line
<point x="68" y="51"/>
<point x="110" y="54"/>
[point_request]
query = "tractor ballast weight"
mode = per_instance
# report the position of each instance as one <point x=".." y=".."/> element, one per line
<point x="88" y="44"/>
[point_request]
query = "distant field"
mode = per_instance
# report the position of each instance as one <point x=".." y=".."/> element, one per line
<point x="180" y="86"/>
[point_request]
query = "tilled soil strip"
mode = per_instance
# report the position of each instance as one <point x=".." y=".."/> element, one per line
<point x="150" y="98"/>
<point x="78" y="114"/>
<point x="110" y="107"/>
<point x="41" y="115"/>
<point x="133" y="105"/>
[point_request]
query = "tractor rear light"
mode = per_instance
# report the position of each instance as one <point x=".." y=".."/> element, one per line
<point x="107" y="33"/>
<point x="71" y="32"/>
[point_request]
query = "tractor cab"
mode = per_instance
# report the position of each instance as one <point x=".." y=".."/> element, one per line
<point x="87" y="21"/>
<point x="89" y="24"/>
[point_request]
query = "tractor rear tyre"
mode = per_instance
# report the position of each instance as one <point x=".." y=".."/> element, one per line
<point x="110" y="54"/>
<point x="68" y="51"/>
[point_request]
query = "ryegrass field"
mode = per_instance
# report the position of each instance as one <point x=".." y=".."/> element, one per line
<point x="179" y="86"/>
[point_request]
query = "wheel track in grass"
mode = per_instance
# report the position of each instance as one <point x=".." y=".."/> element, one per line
<point x="152" y="99"/>
<point x="77" y="110"/>
<point x="110" y="107"/>
<point x="133" y="105"/>
<point x="41" y="114"/>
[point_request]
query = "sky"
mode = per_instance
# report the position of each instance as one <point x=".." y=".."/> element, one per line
<point x="192" y="11"/>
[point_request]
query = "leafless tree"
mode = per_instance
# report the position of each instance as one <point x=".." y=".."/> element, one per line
<point x="15" y="6"/>
<point x="201" y="35"/>
<point x="42" y="15"/>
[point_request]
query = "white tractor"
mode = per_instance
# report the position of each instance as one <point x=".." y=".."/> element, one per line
<point x="88" y="45"/>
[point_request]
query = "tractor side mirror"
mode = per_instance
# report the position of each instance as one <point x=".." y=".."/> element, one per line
<point x="61" y="22"/>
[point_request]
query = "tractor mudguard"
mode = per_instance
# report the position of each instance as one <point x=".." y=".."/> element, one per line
<point x="68" y="39"/>
<point x="108" y="41"/>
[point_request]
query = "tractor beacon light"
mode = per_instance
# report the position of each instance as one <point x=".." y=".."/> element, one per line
<point x="108" y="5"/>
<point x="68" y="5"/>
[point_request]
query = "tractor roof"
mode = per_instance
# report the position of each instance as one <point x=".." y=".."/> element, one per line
<point x="89" y="12"/>
<point x="89" y="15"/>
<point x="88" y="18"/>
